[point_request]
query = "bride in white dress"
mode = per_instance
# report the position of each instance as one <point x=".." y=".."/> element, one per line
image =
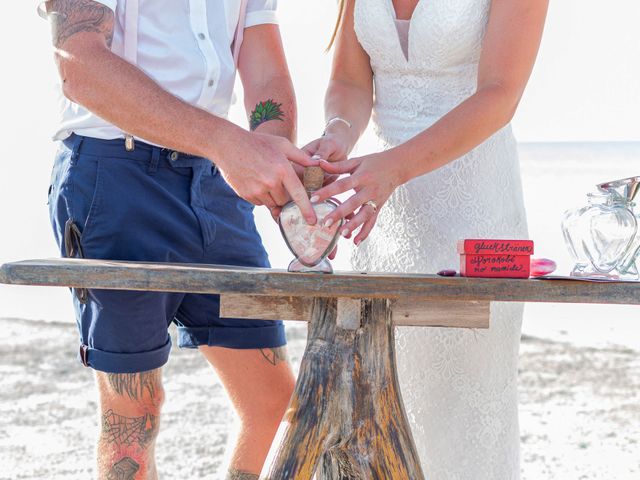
<point x="442" y="85"/>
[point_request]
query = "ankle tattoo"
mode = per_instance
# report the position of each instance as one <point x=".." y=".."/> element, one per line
<point x="234" y="474"/>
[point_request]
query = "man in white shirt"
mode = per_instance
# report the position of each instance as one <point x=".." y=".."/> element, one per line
<point x="149" y="169"/>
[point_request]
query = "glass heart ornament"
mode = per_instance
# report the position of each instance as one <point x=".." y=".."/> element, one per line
<point x="613" y="228"/>
<point x="602" y="237"/>
<point x="310" y="244"/>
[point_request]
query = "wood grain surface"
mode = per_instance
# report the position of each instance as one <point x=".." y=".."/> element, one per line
<point x="405" y="311"/>
<point x="346" y="419"/>
<point x="257" y="281"/>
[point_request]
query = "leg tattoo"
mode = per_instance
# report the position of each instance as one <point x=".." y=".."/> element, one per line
<point x="274" y="355"/>
<point x="135" y="384"/>
<point x="121" y="430"/>
<point x="127" y="437"/>
<point x="125" y="469"/>
<point x="130" y="439"/>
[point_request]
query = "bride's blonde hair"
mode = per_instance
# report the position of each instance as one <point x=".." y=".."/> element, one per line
<point x="341" y="7"/>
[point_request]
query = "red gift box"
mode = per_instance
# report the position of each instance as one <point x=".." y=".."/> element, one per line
<point x="495" y="258"/>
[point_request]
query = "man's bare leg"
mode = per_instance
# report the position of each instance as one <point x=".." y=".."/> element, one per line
<point x="130" y="417"/>
<point x="260" y="384"/>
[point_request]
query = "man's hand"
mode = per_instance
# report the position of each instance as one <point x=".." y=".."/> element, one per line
<point x="260" y="170"/>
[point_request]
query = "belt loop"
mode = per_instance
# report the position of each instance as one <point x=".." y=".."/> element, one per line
<point x="152" y="167"/>
<point x="75" y="147"/>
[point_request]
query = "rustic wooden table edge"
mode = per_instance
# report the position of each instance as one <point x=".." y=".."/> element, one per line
<point x="119" y="275"/>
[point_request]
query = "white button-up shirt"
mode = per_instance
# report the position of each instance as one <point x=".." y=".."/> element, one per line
<point x="184" y="46"/>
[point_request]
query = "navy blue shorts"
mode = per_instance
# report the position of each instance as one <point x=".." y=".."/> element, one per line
<point x="152" y="205"/>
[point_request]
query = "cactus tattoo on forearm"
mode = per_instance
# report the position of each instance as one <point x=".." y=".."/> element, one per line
<point x="264" y="112"/>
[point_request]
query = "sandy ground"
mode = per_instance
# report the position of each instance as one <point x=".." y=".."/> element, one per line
<point x="580" y="409"/>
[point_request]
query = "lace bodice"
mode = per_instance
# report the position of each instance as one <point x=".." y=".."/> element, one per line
<point x="445" y="38"/>
<point x="458" y="385"/>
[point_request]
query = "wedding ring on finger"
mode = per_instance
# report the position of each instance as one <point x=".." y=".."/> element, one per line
<point x="373" y="205"/>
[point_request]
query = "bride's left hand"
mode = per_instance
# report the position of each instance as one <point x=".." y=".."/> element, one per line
<point x="373" y="177"/>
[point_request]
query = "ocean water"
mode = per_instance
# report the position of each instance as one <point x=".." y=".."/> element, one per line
<point x="556" y="177"/>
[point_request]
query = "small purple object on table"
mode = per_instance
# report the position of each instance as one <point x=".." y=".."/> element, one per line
<point x="447" y="273"/>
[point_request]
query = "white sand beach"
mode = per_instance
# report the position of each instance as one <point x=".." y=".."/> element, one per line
<point x="580" y="409"/>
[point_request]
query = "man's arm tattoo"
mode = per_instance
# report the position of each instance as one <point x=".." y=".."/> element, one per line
<point x="124" y="469"/>
<point x="69" y="17"/>
<point x="274" y="355"/>
<point x="134" y="385"/>
<point x="264" y="112"/>
<point x="121" y="430"/>
<point x="234" y="474"/>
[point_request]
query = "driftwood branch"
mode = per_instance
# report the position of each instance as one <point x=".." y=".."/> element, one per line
<point x="346" y="419"/>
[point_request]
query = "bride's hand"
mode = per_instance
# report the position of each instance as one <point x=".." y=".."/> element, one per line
<point x="331" y="147"/>
<point x="374" y="178"/>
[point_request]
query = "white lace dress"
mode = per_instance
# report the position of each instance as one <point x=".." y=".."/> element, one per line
<point x="458" y="385"/>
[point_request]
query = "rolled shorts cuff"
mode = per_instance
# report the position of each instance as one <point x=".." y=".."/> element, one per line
<point x="270" y="336"/>
<point x="112" y="362"/>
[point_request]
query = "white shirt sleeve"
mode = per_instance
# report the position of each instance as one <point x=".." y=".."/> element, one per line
<point x="259" y="12"/>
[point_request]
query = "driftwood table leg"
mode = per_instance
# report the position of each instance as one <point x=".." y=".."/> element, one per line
<point x="346" y="418"/>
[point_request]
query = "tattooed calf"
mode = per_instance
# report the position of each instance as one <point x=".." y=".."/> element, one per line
<point x="124" y="469"/>
<point x="122" y="430"/>
<point x="274" y="355"/>
<point x="135" y="384"/>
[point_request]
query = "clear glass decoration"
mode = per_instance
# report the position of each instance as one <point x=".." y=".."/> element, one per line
<point x="310" y="244"/>
<point x="626" y="190"/>
<point x="602" y="237"/>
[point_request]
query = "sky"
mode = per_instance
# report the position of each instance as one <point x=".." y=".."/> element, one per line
<point x="584" y="88"/>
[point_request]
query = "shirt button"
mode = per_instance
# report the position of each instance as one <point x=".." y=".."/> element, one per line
<point x="211" y="82"/>
<point x="173" y="156"/>
<point x="202" y="36"/>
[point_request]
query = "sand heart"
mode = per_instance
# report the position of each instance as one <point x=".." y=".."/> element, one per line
<point x="309" y="243"/>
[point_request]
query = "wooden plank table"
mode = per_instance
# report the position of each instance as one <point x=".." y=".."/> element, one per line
<point x="346" y="419"/>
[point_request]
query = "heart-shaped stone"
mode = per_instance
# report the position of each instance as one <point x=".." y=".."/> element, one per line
<point x="309" y="243"/>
